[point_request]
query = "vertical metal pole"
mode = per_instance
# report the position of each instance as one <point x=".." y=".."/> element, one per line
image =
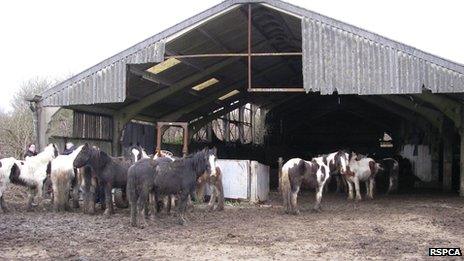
<point x="461" y="171"/>
<point x="158" y="137"/>
<point x="447" y="155"/>
<point x="249" y="46"/>
<point x="241" y="128"/>
<point x="185" y="147"/>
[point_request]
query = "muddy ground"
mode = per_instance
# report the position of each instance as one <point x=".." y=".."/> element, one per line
<point x="393" y="227"/>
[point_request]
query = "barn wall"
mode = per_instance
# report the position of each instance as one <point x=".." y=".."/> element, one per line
<point x="421" y="161"/>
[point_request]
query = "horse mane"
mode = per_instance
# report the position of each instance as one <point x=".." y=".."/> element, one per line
<point x="46" y="155"/>
<point x="197" y="161"/>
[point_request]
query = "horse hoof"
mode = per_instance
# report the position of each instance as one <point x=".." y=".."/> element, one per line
<point x="107" y="212"/>
<point x="317" y="210"/>
<point x="182" y="222"/>
<point x="143" y="225"/>
<point x="358" y="199"/>
<point x="296" y="212"/>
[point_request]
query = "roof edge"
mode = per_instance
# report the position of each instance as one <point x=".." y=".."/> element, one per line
<point x="288" y="7"/>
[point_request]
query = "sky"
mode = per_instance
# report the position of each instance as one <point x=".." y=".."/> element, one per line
<point x="54" y="38"/>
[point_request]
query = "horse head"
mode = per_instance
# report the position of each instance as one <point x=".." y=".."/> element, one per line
<point x="83" y="157"/>
<point x="51" y="150"/>
<point x="206" y="163"/>
<point x="341" y="162"/>
<point x="135" y="153"/>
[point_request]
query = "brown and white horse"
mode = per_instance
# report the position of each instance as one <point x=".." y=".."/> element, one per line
<point x="315" y="173"/>
<point x="361" y="170"/>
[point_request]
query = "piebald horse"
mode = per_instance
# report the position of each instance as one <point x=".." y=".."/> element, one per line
<point x="315" y="172"/>
<point x="30" y="173"/>
<point x="361" y="170"/>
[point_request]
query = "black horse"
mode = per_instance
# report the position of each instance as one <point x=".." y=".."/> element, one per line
<point x="164" y="177"/>
<point x="106" y="171"/>
<point x="140" y="188"/>
<point x="180" y="176"/>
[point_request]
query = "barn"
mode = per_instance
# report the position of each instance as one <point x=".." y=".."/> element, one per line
<point x="266" y="79"/>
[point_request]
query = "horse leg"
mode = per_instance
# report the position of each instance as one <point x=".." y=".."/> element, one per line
<point x="133" y="212"/>
<point x="169" y="204"/>
<point x="367" y="188"/>
<point x="158" y="201"/>
<point x="319" y="190"/>
<point x="108" y="200"/>
<point x="75" y="189"/>
<point x="182" y="207"/>
<point x="141" y="203"/>
<point x="67" y="194"/>
<point x="371" y="187"/>
<point x="358" y="191"/>
<point x="30" y="200"/>
<point x="102" y="196"/>
<point x="338" y="181"/>
<point x="152" y="204"/>
<point x="212" y="199"/>
<point x="200" y="191"/>
<point x="294" y="200"/>
<point x="220" y="190"/>
<point x="350" y="189"/>
<point x="285" y="198"/>
<point x="40" y="193"/>
<point x="2" y="203"/>
<point x="91" y="197"/>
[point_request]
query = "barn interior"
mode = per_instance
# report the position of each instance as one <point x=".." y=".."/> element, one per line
<point x="262" y="112"/>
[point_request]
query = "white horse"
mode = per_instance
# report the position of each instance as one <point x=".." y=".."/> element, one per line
<point x="63" y="177"/>
<point x="361" y="170"/>
<point x="9" y="171"/>
<point x="32" y="173"/>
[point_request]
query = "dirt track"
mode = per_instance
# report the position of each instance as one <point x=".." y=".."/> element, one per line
<point x="389" y="227"/>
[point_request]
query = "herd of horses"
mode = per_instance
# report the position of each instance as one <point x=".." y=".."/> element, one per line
<point x="348" y="169"/>
<point x="146" y="180"/>
<point x="150" y="183"/>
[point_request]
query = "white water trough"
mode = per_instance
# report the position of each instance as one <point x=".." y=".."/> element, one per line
<point x="244" y="179"/>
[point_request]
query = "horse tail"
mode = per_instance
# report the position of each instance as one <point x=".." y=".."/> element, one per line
<point x="285" y="186"/>
<point x="131" y="185"/>
<point x="61" y="186"/>
<point x="280" y="163"/>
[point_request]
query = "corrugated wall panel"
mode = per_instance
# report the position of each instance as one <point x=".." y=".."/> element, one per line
<point x="106" y="85"/>
<point x="334" y="59"/>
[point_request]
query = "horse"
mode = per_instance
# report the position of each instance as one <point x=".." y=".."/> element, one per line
<point x="106" y="171"/>
<point x="361" y="169"/>
<point x="9" y="172"/>
<point x="136" y="153"/>
<point x="315" y="172"/>
<point x="64" y="177"/>
<point x="217" y="192"/>
<point x="180" y="177"/>
<point x="32" y="173"/>
<point x="389" y="174"/>
<point x="140" y="188"/>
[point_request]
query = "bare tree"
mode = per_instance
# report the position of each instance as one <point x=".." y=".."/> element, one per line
<point x="16" y="126"/>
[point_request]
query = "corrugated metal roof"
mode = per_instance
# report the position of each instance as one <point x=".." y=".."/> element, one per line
<point x="347" y="58"/>
<point x="338" y="60"/>
<point x="106" y="84"/>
